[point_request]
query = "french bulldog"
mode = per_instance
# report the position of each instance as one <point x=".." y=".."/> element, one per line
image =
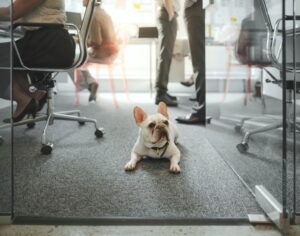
<point x="157" y="138"/>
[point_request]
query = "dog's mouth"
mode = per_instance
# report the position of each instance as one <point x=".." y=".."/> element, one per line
<point x="161" y="135"/>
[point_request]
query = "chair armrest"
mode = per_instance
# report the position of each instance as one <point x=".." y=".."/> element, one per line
<point x="272" y="44"/>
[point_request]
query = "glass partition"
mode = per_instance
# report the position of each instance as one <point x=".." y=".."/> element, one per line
<point x="245" y="153"/>
<point x="293" y="44"/>
<point x="5" y="113"/>
<point x="254" y="99"/>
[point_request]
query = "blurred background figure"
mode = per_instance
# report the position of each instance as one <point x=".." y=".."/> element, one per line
<point x="102" y="46"/>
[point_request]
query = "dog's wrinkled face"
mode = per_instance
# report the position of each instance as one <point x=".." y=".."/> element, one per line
<point x="154" y="128"/>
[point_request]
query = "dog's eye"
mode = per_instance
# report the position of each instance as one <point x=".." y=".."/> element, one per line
<point x="166" y="122"/>
<point x="151" y="125"/>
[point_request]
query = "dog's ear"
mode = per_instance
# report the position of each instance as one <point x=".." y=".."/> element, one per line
<point x="139" y="115"/>
<point x="162" y="109"/>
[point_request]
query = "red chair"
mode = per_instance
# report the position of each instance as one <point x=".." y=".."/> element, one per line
<point x="111" y="62"/>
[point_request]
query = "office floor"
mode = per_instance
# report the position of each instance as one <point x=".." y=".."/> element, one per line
<point x="84" y="177"/>
<point x="51" y="189"/>
<point x="245" y="230"/>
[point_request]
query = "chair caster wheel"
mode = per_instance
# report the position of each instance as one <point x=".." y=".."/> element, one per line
<point x="47" y="148"/>
<point x="238" y="128"/>
<point x="99" y="133"/>
<point x="242" y="147"/>
<point x="31" y="125"/>
<point x="81" y="122"/>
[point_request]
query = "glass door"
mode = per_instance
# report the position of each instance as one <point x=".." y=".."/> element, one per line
<point x="5" y="113"/>
<point x="293" y="40"/>
<point x="257" y="106"/>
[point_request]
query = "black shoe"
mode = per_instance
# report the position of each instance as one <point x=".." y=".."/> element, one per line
<point x="168" y="101"/>
<point x="171" y="97"/>
<point x="30" y="109"/>
<point x="93" y="87"/>
<point x="193" y="99"/>
<point x="187" y="83"/>
<point x="192" y="118"/>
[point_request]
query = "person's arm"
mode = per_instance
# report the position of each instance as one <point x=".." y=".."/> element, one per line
<point x="20" y="8"/>
<point x="168" y="4"/>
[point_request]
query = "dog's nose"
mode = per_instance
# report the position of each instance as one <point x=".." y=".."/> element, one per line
<point x="160" y="127"/>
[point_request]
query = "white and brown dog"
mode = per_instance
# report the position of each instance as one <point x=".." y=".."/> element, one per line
<point x="157" y="138"/>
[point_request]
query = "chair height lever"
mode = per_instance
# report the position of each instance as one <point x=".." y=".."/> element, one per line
<point x="32" y="88"/>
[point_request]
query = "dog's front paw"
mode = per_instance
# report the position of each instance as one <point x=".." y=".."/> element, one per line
<point x="130" y="166"/>
<point x="175" y="169"/>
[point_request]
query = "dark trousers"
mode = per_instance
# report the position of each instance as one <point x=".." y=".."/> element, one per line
<point x="43" y="48"/>
<point x="167" y="36"/>
<point x="195" y="23"/>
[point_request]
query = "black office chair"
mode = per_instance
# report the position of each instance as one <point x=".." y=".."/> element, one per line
<point x="48" y="83"/>
<point x="274" y="54"/>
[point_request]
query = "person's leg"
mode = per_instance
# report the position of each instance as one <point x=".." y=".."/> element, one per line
<point x="86" y="76"/>
<point x="25" y="103"/>
<point x="167" y="31"/>
<point x="23" y="83"/>
<point x="91" y="82"/>
<point x="21" y="98"/>
<point x="195" y="21"/>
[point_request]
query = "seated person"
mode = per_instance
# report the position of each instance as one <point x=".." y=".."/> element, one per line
<point x="102" y="45"/>
<point x="40" y="47"/>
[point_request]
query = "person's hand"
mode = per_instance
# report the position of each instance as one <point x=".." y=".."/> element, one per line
<point x="171" y="15"/>
<point x="169" y="7"/>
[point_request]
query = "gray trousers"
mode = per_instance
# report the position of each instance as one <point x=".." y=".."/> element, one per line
<point x="195" y="23"/>
<point x="167" y="37"/>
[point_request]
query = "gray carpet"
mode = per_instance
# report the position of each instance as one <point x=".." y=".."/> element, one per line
<point x="84" y="177"/>
<point x="5" y="174"/>
<point x="5" y="162"/>
<point x="262" y="164"/>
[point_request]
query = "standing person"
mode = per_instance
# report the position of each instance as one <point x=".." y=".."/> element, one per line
<point x="167" y="24"/>
<point x="102" y="44"/>
<point x="194" y="15"/>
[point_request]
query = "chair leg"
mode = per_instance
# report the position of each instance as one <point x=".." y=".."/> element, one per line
<point x="112" y="85"/>
<point x="228" y="73"/>
<point x="26" y="121"/>
<point x="48" y="146"/>
<point x="239" y="126"/>
<point x="248" y="86"/>
<point x="60" y="116"/>
<point x="44" y="135"/>
<point x="243" y="146"/>
<point x="124" y="77"/>
<point x="74" y="112"/>
<point x="77" y="86"/>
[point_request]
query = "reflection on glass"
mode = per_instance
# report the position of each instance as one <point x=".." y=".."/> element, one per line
<point x="250" y="108"/>
<point x="250" y="112"/>
<point x="5" y="112"/>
